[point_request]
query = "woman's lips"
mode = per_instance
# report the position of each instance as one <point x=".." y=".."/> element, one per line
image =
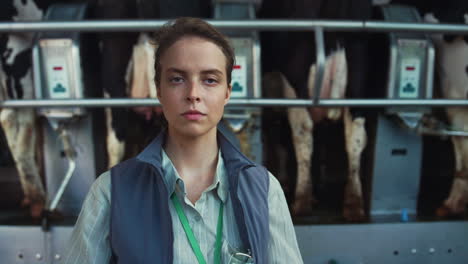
<point x="193" y="115"/>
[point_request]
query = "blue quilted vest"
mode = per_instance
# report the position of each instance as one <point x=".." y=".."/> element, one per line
<point x="141" y="224"/>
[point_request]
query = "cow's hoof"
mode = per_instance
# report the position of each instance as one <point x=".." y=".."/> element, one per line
<point x="442" y="211"/>
<point x="25" y="202"/>
<point x="35" y="207"/>
<point x="353" y="209"/>
<point x="304" y="206"/>
<point x="354" y="213"/>
<point x="446" y="211"/>
<point x="455" y="205"/>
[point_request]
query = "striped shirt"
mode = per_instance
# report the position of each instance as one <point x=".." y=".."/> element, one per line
<point x="90" y="241"/>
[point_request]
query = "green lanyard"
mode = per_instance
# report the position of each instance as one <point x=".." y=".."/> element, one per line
<point x="191" y="237"/>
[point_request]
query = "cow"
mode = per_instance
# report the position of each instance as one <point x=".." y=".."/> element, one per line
<point x="291" y="56"/>
<point x="127" y="67"/>
<point x="139" y="81"/>
<point x="452" y="68"/>
<point x="16" y="83"/>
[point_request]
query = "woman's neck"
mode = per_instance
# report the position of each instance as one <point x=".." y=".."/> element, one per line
<point x="191" y="151"/>
<point x="195" y="159"/>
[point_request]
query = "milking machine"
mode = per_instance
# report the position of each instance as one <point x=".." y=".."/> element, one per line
<point x="244" y="122"/>
<point x="61" y="73"/>
<point x="62" y="69"/>
<point x="397" y="150"/>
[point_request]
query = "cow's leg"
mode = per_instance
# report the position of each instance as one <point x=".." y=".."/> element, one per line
<point x="115" y="147"/>
<point x="21" y="137"/>
<point x="457" y="200"/>
<point x="3" y="86"/>
<point x="283" y="156"/>
<point x="115" y="54"/>
<point x="301" y="128"/>
<point x="356" y="139"/>
<point x="274" y="119"/>
<point x="138" y="79"/>
<point x="338" y="68"/>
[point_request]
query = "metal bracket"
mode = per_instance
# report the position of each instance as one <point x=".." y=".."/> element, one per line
<point x="410" y="120"/>
<point x="417" y="122"/>
<point x="70" y="153"/>
<point x="438" y="128"/>
<point x="442" y="132"/>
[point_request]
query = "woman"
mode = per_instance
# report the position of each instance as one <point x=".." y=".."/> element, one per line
<point x="190" y="196"/>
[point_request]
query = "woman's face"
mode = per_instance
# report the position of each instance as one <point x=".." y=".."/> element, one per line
<point x="193" y="89"/>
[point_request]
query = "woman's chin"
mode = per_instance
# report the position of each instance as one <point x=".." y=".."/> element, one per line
<point x="193" y="130"/>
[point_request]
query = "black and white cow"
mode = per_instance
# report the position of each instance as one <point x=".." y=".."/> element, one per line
<point x="292" y="56"/>
<point x="16" y="83"/>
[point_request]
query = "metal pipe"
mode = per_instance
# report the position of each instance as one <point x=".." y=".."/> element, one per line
<point x="246" y="25"/>
<point x="254" y="2"/>
<point x="442" y="132"/>
<point x="320" y="63"/>
<point x="127" y="102"/>
<point x="70" y="153"/>
<point x="377" y="26"/>
<point x="64" y="184"/>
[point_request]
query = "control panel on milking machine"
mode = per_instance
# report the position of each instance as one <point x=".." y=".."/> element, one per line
<point x="59" y="73"/>
<point x="411" y="67"/>
<point x="57" y="63"/>
<point x="244" y="122"/>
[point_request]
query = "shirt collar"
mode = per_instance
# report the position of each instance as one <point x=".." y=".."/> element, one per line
<point x="172" y="178"/>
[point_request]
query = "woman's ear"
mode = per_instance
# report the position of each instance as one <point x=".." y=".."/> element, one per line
<point x="228" y="94"/>
<point x="158" y="94"/>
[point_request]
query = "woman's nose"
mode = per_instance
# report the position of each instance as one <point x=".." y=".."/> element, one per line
<point x="193" y="94"/>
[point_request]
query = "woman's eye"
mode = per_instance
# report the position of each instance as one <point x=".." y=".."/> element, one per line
<point x="176" y="79"/>
<point x="211" y="81"/>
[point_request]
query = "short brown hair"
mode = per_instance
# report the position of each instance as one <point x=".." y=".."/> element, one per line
<point x="182" y="27"/>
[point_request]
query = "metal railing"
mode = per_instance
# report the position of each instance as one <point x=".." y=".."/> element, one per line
<point x="242" y="25"/>
<point x="318" y="26"/>
<point x="133" y="102"/>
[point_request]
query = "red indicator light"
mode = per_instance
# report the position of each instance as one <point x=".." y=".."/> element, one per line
<point x="410" y="68"/>
<point x="58" y="68"/>
<point x="237" y="67"/>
